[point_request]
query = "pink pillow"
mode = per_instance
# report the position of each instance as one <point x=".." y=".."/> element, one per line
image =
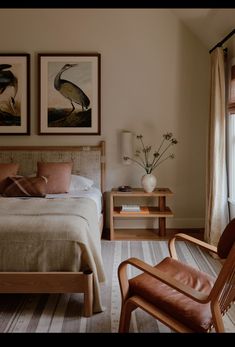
<point x="26" y="186"/>
<point x="6" y="170"/>
<point x="58" y="175"/>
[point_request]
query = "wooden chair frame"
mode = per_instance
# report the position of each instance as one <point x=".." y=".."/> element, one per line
<point x="130" y="303"/>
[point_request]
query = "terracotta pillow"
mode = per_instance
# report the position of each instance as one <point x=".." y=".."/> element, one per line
<point x="26" y="186"/>
<point x="6" y="170"/>
<point x="58" y="175"/>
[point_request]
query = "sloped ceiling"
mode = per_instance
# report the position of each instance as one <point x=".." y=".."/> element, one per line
<point x="209" y="25"/>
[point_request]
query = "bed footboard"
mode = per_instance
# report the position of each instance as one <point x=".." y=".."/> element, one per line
<point x="50" y="282"/>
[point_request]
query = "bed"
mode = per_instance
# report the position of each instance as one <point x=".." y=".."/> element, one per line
<point x="52" y="244"/>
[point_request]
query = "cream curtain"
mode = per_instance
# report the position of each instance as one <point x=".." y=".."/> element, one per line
<point x="217" y="215"/>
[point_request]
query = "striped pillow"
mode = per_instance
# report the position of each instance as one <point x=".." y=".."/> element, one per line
<point x="6" y="170"/>
<point x="26" y="186"/>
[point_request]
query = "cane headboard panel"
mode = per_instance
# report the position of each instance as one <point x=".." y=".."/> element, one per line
<point x="88" y="161"/>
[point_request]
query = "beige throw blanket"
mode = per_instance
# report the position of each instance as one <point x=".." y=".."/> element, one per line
<point x="43" y="228"/>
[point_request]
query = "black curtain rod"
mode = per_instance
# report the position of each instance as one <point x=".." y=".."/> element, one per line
<point x="219" y="44"/>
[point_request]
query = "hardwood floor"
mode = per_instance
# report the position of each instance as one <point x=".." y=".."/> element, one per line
<point x="149" y="234"/>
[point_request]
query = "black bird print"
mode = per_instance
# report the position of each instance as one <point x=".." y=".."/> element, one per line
<point x="8" y="79"/>
<point x="70" y="90"/>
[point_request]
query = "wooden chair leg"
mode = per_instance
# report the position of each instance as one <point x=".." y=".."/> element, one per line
<point x="217" y="318"/>
<point x="125" y="317"/>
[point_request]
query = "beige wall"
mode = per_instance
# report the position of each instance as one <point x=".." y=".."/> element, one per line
<point x="154" y="79"/>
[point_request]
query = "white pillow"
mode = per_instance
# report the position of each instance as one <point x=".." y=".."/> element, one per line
<point x="80" y="183"/>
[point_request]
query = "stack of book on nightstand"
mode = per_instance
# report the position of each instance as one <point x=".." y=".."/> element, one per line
<point x="130" y="208"/>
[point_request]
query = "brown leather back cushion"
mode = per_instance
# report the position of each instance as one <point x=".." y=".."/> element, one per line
<point x="226" y="240"/>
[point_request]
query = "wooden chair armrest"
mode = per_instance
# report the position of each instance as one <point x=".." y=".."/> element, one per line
<point x="152" y="271"/>
<point x="181" y="236"/>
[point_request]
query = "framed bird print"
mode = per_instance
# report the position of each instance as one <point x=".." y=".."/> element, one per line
<point x="69" y="94"/>
<point x="14" y="94"/>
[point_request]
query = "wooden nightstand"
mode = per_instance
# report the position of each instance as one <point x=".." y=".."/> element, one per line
<point x="160" y="211"/>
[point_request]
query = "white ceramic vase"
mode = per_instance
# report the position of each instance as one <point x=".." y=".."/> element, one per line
<point x="148" y="182"/>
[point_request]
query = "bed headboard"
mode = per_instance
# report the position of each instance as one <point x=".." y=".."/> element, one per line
<point x="88" y="161"/>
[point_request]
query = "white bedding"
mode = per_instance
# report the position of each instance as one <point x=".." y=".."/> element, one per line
<point x="92" y="193"/>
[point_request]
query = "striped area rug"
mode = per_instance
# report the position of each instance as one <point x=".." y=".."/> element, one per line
<point x="63" y="312"/>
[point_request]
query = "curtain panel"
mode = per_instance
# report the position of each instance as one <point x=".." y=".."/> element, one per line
<point x="217" y="215"/>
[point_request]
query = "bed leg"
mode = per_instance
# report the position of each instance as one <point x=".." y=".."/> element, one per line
<point x="88" y="294"/>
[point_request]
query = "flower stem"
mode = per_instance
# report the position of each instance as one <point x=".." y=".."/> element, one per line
<point x="137" y="162"/>
<point x="145" y="154"/>
<point x="142" y="160"/>
<point x="161" y="145"/>
<point x="158" y="163"/>
<point x="160" y="156"/>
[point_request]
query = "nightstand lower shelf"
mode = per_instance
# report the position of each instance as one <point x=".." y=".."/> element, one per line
<point x="145" y="212"/>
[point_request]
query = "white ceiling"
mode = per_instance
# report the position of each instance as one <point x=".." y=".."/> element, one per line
<point x="210" y="25"/>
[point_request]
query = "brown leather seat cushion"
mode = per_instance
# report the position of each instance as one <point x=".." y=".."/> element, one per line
<point x="195" y="315"/>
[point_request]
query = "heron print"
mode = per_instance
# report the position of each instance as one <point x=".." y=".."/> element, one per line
<point x="9" y="104"/>
<point x="70" y="97"/>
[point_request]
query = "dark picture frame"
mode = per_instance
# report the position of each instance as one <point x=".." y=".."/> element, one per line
<point x="69" y="94"/>
<point x="14" y="94"/>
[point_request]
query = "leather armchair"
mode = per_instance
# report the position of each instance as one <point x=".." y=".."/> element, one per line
<point x="180" y="296"/>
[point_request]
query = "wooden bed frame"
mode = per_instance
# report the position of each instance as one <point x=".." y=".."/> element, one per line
<point x="57" y="282"/>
